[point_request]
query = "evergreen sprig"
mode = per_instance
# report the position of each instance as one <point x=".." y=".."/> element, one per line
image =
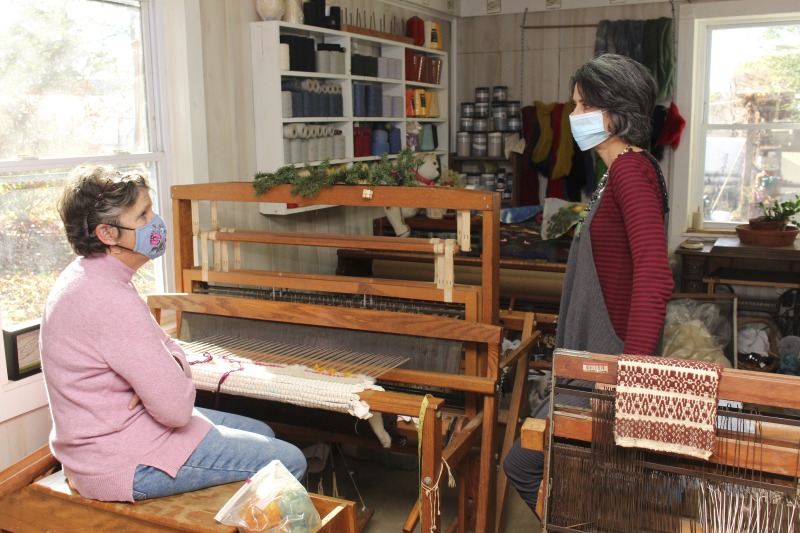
<point x="311" y="180"/>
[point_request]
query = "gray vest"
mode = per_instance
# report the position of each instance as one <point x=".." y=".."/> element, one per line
<point x="583" y="321"/>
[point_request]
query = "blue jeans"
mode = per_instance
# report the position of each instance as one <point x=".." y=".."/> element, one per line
<point x="233" y="450"/>
<point x="525" y="468"/>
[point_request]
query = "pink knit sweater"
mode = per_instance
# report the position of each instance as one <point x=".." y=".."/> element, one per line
<point x="100" y="345"/>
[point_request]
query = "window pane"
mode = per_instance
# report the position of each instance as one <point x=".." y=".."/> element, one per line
<point x="33" y="248"/>
<point x="753" y="81"/>
<point x="754" y="75"/>
<point x="744" y="167"/>
<point x="72" y="79"/>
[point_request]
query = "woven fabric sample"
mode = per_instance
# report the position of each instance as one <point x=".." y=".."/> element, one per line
<point x="666" y="405"/>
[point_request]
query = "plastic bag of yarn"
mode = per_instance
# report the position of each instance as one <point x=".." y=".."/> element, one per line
<point x="272" y="501"/>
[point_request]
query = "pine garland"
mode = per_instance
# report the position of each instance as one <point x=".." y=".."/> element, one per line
<point x="311" y="180"/>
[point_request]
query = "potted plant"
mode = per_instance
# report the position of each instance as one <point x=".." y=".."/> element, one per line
<point x="776" y="215"/>
<point x="771" y="228"/>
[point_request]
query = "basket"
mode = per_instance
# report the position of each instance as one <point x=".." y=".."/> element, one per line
<point x="772" y="360"/>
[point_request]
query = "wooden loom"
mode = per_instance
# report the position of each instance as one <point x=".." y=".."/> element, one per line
<point x="756" y="458"/>
<point x="479" y="374"/>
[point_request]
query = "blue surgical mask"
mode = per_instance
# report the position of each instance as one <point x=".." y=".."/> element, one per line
<point x="151" y="239"/>
<point x="588" y="129"/>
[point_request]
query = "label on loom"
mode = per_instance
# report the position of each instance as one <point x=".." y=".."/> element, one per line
<point x="596" y="368"/>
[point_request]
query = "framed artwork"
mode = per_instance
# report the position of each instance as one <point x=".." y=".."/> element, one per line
<point x="21" y="344"/>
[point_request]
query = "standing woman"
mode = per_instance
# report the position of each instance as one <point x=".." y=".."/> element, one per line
<point x="618" y="279"/>
<point x="120" y="390"/>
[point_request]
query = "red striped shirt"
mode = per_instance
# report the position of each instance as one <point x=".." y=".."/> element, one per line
<point x="629" y="245"/>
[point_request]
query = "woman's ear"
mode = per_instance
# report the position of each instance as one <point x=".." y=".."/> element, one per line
<point x="106" y="234"/>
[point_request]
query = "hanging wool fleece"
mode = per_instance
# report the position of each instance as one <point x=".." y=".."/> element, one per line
<point x="649" y="42"/>
<point x="551" y="152"/>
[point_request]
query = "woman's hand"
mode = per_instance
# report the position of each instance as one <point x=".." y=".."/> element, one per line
<point x="133" y="402"/>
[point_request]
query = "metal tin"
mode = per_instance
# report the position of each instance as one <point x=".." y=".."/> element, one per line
<point x="495" y="147"/>
<point x="479" y="144"/>
<point x="467" y="124"/>
<point x="482" y="110"/>
<point x="499" y="117"/>
<point x="488" y="181"/>
<point x="467" y="109"/>
<point x="513" y="108"/>
<point x="463" y="146"/>
<point x="482" y="95"/>
<point x="480" y="124"/>
<point x="514" y="124"/>
<point x="499" y="93"/>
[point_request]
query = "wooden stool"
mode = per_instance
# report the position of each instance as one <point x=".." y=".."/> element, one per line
<point x="50" y="505"/>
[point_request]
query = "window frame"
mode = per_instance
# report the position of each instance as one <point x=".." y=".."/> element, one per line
<point x="695" y="24"/>
<point x="28" y="394"/>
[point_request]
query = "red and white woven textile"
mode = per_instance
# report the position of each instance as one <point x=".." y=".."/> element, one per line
<point x="666" y="405"/>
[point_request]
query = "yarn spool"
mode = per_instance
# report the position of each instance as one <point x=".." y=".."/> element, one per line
<point x="415" y="28"/>
<point x="290" y="131"/>
<point x="286" y="104"/>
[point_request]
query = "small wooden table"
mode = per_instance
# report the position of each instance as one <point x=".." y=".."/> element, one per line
<point x="731" y="262"/>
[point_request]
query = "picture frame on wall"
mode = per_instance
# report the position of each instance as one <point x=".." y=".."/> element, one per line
<point x="21" y="345"/>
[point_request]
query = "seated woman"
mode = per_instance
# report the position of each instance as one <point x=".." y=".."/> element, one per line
<point x="120" y="390"/>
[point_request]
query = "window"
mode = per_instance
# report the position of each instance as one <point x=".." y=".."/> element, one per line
<point x="76" y="87"/>
<point x="744" y="88"/>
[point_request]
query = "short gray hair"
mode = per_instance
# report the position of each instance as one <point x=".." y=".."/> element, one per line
<point x="96" y="194"/>
<point x="625" y="89"/>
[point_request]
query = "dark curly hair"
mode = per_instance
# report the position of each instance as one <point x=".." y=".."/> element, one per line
<point x="96" y="194"/>
<point x="625" y="89"/>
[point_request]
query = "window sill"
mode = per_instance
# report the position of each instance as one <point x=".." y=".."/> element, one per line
<point x="708" y="234"/>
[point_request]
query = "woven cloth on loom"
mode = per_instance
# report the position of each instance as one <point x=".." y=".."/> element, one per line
<point x="666" y="405"/>
<point x="294" y="384"/>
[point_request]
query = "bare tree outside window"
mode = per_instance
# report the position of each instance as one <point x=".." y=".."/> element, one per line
<point x="752" y="119"/>
<point x="73" y="89"/>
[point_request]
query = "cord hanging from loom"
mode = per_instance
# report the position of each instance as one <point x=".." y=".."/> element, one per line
<point x="430" y="491"/>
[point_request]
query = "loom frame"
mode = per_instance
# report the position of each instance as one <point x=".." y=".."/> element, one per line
<point x="779" y="454"/>
<point x="481" y="369"/>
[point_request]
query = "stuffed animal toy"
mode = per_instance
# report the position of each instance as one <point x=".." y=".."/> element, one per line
<point x="427" y="173"/>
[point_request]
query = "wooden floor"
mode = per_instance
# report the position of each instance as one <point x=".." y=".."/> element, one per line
<point x="391" y="501"/>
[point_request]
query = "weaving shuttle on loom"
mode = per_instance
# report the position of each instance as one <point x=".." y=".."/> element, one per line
<point x="596" y="482"/>
<point x="380" y="317"/>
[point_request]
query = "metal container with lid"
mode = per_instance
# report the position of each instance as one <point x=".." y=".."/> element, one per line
<point x="482" y="95"/>
<point x="479" y="145"/>
<point x="480" y="124"/>
<point x="482" y="110"/>
<point x="467" y="109"/>
<point x="499" y="116"/>
<point x="495" y="147"/>
<point x="463" y="147"/>
<point x="499" y="93"/>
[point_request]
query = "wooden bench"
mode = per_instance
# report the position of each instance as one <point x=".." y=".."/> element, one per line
<point x="32" y="503"/>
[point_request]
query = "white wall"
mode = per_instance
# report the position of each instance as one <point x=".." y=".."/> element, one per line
<point x="477" y="8"/>
<point x="24" y="416"/>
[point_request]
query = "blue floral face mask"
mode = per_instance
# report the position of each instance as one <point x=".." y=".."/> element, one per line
<point x="151" y="239"/>
<point x="588" y="129"/>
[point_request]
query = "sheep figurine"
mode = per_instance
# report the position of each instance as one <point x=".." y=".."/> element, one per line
<point x="427" y="173"/>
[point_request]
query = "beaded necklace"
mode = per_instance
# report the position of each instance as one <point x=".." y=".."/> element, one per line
<point x="596" y="195"/>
